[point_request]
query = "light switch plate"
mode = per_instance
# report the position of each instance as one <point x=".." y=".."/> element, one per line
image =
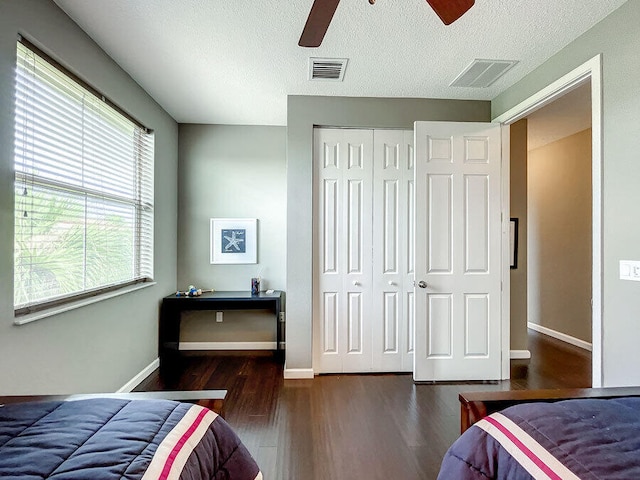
<point x="630" y="270"/>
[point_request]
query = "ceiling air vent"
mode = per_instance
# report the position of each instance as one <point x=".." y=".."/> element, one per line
<point x="482" y="73"/>
<point x="327" y="69"/>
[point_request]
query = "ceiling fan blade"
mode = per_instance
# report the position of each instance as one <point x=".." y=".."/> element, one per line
<point x="450" y="10"/>
<point x="318" y="22"/>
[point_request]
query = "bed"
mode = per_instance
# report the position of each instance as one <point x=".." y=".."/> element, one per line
<point x="119" y="438"/>
<point x="547" y="434"/>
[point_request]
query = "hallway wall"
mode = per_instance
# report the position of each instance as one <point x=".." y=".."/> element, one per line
<point x="518" y="209"/>
<point x="559" y="237"/>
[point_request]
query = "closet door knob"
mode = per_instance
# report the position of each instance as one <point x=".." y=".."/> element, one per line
<point x="392" y="283"/>
<point x="356" y="283"/>
<point x="422" y="284"/>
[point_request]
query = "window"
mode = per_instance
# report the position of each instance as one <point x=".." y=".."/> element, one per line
<point x="83" y="189"/>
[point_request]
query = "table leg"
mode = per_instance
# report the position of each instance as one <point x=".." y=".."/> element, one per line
<point x="169" y="338"/>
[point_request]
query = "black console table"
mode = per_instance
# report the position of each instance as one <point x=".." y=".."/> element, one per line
<point x="172" y="307"/>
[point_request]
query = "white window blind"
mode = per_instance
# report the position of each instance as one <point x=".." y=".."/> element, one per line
<point x="83" y="189"/>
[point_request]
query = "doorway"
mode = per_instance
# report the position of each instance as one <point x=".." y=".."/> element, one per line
<point x="459" y="233"/>
<point x="560" y="219"/>
<point x="551" y="198"/>
<point x="590" y="71"/>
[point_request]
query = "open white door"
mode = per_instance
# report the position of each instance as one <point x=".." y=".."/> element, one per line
<point x="458" y="251"/>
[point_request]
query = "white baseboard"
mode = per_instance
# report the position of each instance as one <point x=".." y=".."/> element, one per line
<point x="560" y="336"/>
<point x="519" y="354"/>
<point x="137" y="380"/>
<point x="227" y="346"/>
<point x="297" y="373"/>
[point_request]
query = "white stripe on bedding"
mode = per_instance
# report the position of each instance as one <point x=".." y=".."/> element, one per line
<point x="524" y="449"/>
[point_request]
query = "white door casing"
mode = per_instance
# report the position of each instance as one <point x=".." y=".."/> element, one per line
<point x="458" y="251"/>
<point x="590" y="70"/>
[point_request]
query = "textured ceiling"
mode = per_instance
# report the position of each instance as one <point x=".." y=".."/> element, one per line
<point x="235" y="62"/>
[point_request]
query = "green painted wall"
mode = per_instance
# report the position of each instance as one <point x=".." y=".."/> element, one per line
<point x="102" y="346"/>
<point x="231" y="171"/>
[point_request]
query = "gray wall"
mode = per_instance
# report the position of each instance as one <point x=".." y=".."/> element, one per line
<point x="231" y="172"/>
<point x="303" y="113"/>
<point x="518" y="209"/>
<point x="560" y="236"/>
<point x="617" y="39"/>
<point x="102" y="346"/>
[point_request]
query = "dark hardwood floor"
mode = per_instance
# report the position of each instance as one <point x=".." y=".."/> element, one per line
<point x="375" y="426"/>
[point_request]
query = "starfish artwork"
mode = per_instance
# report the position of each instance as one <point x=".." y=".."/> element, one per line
<point x="233" y="241"/>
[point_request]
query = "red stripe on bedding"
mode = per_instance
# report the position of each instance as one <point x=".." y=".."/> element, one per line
<point x="175" y="448"/>
<point x="178" y="446"/>
<point x="524" y="449"/>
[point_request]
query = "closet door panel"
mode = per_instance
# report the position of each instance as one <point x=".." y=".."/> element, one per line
<point x="392" y="228"/>
<point x="342" y="265"/>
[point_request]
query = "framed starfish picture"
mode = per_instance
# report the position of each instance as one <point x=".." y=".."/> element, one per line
<point x="233" y="240"/>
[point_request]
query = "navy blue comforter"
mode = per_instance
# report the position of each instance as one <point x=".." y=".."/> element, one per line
<point x="102" y="439"/>
<point x="586" y="439"/>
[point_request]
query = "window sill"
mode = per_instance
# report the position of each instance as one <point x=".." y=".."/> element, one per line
<point x="32" y="317"/>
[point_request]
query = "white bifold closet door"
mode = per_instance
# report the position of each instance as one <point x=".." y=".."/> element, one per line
<point x="363" y="208"/>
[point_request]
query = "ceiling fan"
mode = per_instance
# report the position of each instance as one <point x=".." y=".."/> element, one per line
<point x="322" y="12"/>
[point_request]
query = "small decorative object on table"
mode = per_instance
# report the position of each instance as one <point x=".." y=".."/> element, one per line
<point x="255" y="286"/>
<point x="193" y="292"/>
